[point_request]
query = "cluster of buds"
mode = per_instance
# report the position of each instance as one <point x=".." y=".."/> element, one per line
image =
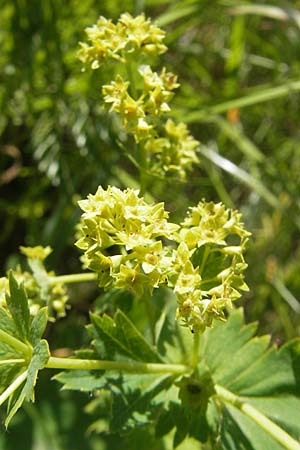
<point x="124" y="242"/>
<point x="115" y="41"/>
<point x="141" y="100"/>
<point x="39" y="290"/>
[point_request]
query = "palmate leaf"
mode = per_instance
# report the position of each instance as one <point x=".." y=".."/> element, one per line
<point x="119" y="335"/>
<point x="22" y="351"/>
<point x="8" y="371"/>
<point x="40" y="356"/>
<point x="81" y="380"/>
<point x="258" y="374"/>
<point x="136" y="399"/>
<point x="18" y="306"/>
<point x="231" y="360"/>
<point x="133" y="396"/>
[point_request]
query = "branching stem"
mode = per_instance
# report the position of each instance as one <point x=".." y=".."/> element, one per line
<point x="260" y="419"/>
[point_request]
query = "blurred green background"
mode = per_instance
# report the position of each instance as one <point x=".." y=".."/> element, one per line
<point x="239" y="68"/>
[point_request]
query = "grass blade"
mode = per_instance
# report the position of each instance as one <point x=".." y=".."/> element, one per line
<point x="175" y="14"/>
<point x="235" y="134"/>
<point x="241" y="175"/>
<point x="260" y="96"/>
<point x="273" y="12"/>
<point x="286" y="294"/>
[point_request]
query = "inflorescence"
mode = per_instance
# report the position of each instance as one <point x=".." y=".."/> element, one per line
<point x="131" y="245"/>
<point x="40" y="291"/>
<point x="141" y="97"/>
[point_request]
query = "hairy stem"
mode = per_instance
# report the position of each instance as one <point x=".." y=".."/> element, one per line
<point x="74" y="278"/>
<point x="95" y="364"/>
<point x="260" y="419"/>
<point x="15" y="343"/>
<point x="13" y="386"/>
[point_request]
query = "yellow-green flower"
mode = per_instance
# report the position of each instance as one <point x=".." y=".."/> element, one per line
<point x="123" y="239"/>
<point x="54" y="296"/>
<point x="211" y="223"/>
<point x="174" y="152"/>
<point x="107" y="40"/>
<point x="124" y="221"/>
<point x="157" y="90"/>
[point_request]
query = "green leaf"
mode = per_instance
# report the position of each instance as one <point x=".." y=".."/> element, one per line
<point x="135" y="399"/>
<point x="239" y="432"/>
<point x="257" y="374"/>
<point x="81" y="380"/>
<point x="186" y="421"/>
<point x="40" y="356"/>
<point x="18" y="306"/>
<point x="38" y="325"/>
<point x="173" y="341"/>
<point x="41" y="276"/>
<point x="6" y="323"/>
<point x="8" y="372"/>
<point x="120" y="335"/>
<point x="19" y="360"/>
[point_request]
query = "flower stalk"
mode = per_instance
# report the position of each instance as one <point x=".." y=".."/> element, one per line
<point x="73" y="278"/>
<point x="95" y="364"/>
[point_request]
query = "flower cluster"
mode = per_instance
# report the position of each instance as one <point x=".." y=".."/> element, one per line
<point x="157" y="89"/>
<point x="115" y="41"/>
<point x="136" y="115"/>
<point x="143" y="98"/>
<point x="132" y="245"/>
<point x="121" y="237"/>
<point x="209" y="232"/>
<point x="37" y="284"/>
<point x="175" y="152"/>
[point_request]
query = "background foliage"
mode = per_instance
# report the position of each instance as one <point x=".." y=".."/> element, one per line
<point x="239" y="72"/>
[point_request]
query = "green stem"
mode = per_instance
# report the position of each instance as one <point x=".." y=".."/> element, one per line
<point x="204" y="258"/>
<point x="131" y="71"/>
<point x="95" y="364"/>
<point x="74" y="278"/>
<point x="3" y="362"/>
<point x="13" y="386"/>
<point x="15" y="343"/>
<point x="196" y="349"/>
<point x="260" y="419"/>
<point x="143" y="170"/>
<point x="150" y="315"/>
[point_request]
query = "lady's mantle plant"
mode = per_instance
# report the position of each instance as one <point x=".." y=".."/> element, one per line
<point x="218" y="384"/>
